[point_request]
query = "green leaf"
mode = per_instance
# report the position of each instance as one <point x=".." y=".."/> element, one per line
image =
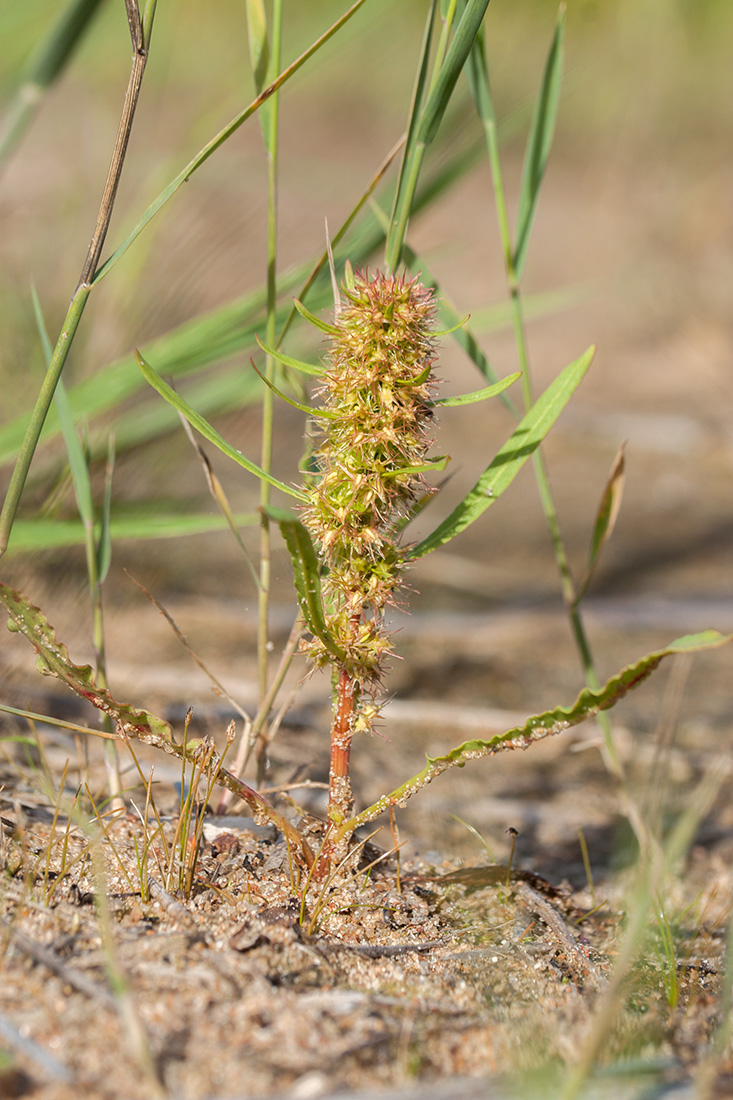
<point x="53" y="659"/>
<point x="450" y="70"/>
<point x="606" y="517"/>
<point x="288" y="361"/>
<point x="104" y="540"/>
<point x="307" y="570"/>
<point x="50" y="534"/>
<point x="539" y="726"/>
<point x="522" y="443"/>
<point x="324" y="326"/>
<point x="422" y="132"/>
<point x="539" y="143"/>
<point x="208" y="432"/>
<point x="257" y="35"/>
<point x="326" y="414"/>
<point x="479" y="395"/>
<point x="396" y="225"/>
<point x="129" y="721"/>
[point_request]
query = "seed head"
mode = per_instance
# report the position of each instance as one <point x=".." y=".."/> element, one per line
<point x="377" y="392"/>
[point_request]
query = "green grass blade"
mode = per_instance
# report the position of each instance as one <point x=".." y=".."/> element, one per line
<point x="307" y="409"/>
<point x="307" y="573"/>
<point x="288" y="361"/>
<point x="137" y="525"/>
<point x="431" y="115"/>
<point x="77" y="457"/>
<point x="74" y="450"/>
<point x="208" y="432"/>
<point x="458" y="52"/>
<point x="477" y="74"/>
<point x="540" y="726"/>
<point x="45" y="65"/>
<point x="478" y="395"/>
<point x="259" y="52"/>
<point x="525" y="439"/>
<point x="606" y="516"/>
<point x="541" y="133"/>
<point x="104" y="538"/>
<point x="317" y="322"/>
<point x="218" y="140"/>
<point x="413" y="121"/>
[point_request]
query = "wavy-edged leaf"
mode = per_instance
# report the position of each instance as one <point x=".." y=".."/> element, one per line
<point x="208" y="431"/>
<point x="307" y="571"/>
<point x="606" y="517"/>
<point x="522" y="443"/>
<point x="539" y="726"/>
<point x="53" y="659"/>
<point x="288" y="361"/>
<point x="317" y="322"/>
<point x="541" y="133"/>
<point x="478" y="395"/>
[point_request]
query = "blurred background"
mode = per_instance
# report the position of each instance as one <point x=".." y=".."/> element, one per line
<point x="632" y="251"/>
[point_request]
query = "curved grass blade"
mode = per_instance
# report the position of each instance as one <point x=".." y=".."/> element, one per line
<point x="325" y="414"/>
<point x="208" y="432"/>
<point x="477" y="395"/>
<point x="606" y="517"/>
<point x="539" y="726"/>
<point x="539" y="143"/>
<point x="524" y="440"/>
<point x="307" y="570"/>
<point x="421" y="134"/>
<point x="130" y="722"/>
<point x="317" y="322"/>
<point x="288" y="361"/>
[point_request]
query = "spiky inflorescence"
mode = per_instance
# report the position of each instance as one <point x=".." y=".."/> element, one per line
<point x="377" y="411"/>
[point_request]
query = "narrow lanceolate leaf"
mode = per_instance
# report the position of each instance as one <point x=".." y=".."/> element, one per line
<point x="207" y="431"/>
<point x="317" y="322"/>
<point x="307" y="409"/>
<point x="544" y="725"/>
<point x="522" y="443"/>
<point x="287" y="360"/>
<point x="104" y="540"/>
<point x="54" y="660"/>
<point x="606" y="517"/>
<point x="307" y="570"/>
<point x="49" y="534"/>
<point x="258" y="49"/>
<point x="455" y="59"/>
<point x="479" y="395"/>
<point x="541" y="134"/>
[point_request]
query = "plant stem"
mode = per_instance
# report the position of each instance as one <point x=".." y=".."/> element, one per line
<point x="340" y="799"/>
